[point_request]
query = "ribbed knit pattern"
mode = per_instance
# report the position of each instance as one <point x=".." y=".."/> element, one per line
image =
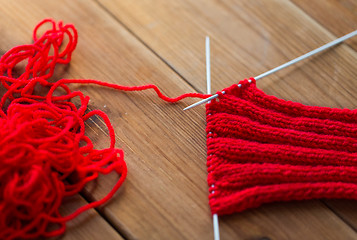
<point x="263" y="149"/>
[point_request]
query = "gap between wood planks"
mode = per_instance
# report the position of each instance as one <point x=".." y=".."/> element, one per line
<point x="332" y="209"/>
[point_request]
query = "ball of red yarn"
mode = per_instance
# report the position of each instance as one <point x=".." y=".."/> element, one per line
<point x="45" y="154"/>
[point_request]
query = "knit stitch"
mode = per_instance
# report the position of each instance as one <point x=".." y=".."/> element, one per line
<point x="262" y="149"/>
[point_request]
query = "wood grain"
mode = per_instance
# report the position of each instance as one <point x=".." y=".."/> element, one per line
<point x="247" y="38"/>
<point x="339" y="17"/>
<point x="89" y="225"/>
<point x="162" y="42"/>
<point x="346" y="209"/>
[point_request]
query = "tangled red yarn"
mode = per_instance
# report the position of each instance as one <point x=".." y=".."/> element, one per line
<point x="45" y="155"/>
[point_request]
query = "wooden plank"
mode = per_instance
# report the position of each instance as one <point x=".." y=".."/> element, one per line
<point x="339" y="17"/>
<point x="165" y="196"/>
<point x="346" y="209"/>
<point x="175" y="31"/>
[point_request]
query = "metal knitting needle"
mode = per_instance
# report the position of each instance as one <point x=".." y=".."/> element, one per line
<point x="208" y="78"/>
<point x="208" y="65"/>
<point x="298" y="59"/>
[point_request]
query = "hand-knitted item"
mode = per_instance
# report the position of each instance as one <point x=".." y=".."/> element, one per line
<point x="263" y="149"/>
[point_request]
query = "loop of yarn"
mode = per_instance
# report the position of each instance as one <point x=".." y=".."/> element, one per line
<point x="45" y="155"/>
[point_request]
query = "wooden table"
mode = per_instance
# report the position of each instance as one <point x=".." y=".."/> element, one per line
<point x="162" y="42"/>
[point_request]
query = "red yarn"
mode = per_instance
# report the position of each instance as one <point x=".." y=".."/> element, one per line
<point x="45" y="154"/>
<point x="263" y="149"/>
<point x="260" y="148"/>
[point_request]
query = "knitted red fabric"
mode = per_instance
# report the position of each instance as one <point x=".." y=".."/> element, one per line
<point x="263" y="149"/>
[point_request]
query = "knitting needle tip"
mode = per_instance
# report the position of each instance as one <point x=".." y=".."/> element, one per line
<point x="215" y="227"/>
<point x="208" y="65"/>
<point x="201" y="102"/>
